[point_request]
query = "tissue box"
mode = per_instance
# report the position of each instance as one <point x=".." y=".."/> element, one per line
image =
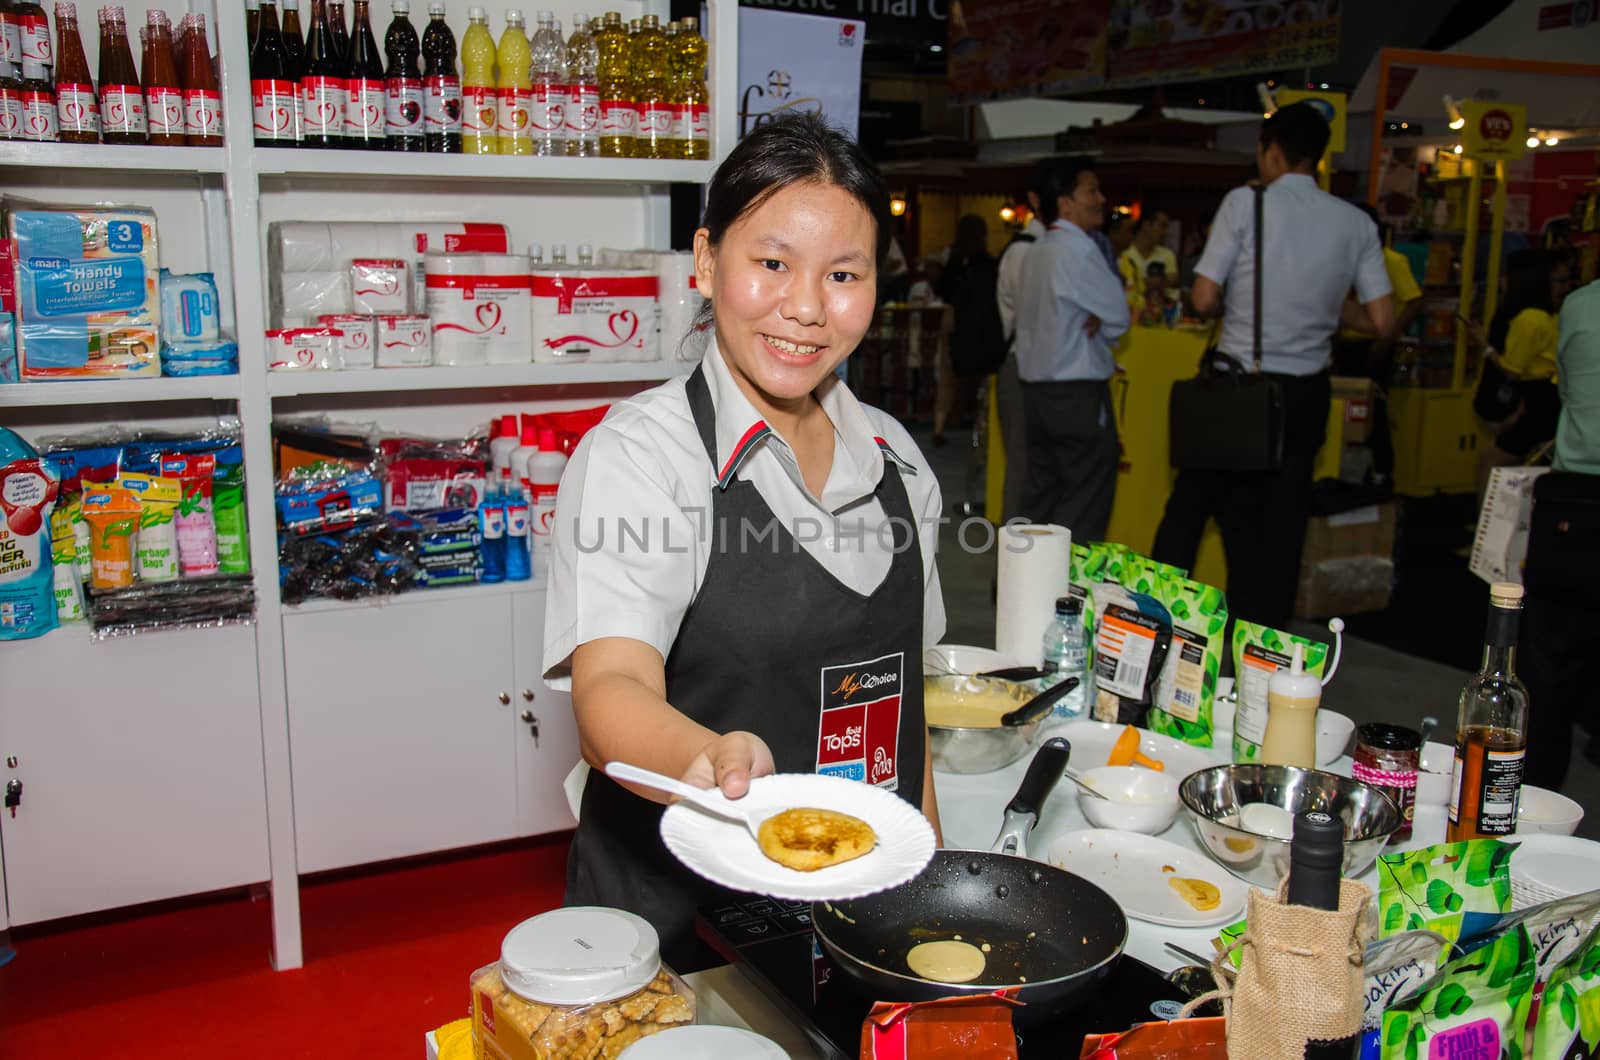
<point x="189" y="309"/>
<point x="302" y="349"/>
<point x="595" y="315"/>
<point x="479" y="304"/>
<point x="404" y="341"/>
<point x="379" y="285"/>
<point x="358" y="342"/>
<point x="87" y="292"/>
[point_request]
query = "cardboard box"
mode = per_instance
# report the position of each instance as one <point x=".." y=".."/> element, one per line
<point x="1359" y="397"/>
<point x="1365" y="531"/>
<point x="1347" y="566"/>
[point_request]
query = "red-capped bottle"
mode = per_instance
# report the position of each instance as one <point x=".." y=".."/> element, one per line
<point x="202" y="102"/>
<point x="122" y="116"/>
<point x="323" y="95"/>
<point x="274" y="95"/>
<point x="402" y="127"/>
<point x="441" y="101"/>
<point x="365" y="115"/>
<point x="163" y="93"/>
<point x="77" y="107"/>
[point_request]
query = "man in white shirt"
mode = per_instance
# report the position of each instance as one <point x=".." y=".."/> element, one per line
<point x="1070" y="310"/>
<point x="1008" y="395"/>
<point x="1314" y="249"/>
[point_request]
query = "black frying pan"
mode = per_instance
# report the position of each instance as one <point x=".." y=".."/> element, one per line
<point x="1051" y="935"/>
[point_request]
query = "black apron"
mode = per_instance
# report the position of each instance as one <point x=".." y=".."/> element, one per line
<point x="772" y="644"/>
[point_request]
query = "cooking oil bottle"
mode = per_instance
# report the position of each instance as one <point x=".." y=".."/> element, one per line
<point x="619" y="122"/>
<point x="651" y="91"/>
<point x="693" y="95"/>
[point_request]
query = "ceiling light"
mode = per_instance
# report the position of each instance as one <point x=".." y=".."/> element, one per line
<point x="1459" y="123"/>
<point x="936" y="47"/>
<point x="897" y="206"/>
<point x="1456" y="149"/>
<point x="1533" y="141"/>
<point x="1008" y="214"/>
<point x="1551" y="141"/>
<point x="1324" y="85"/>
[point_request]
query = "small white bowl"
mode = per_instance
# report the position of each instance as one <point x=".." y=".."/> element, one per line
<point x="1433" y="776"/>
<point x="1543" y="810"/>
<point x="1137" y="800"/>
<point x="1333" y="736"/>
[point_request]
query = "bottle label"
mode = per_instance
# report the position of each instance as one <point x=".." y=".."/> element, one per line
<point x="299" y="116"/>
<point x="700" y="122"/>
<point x="122" y="109"/>
<point x="10" y="114"/>
<point x="441" y="105"/>
<point x="1502" y="788"/>
<point x="479" y="108"/>
<point x="363" y="116"/>
<point x="77" y="110"/>
<point x="10" y="43"/>
<point x="163" y="110"/>
<point x="34" y="38"/>
<point x="618" y="118"/>
<point x="515" y="104"/>
<point x="273" y="103"/>
<point x="403" y="106"/>
<point x="323" y="101"/>
<point x="202" y="112"/>
<point x="583" y="112"/>
<point x="548" y="111"/>
<point x="655" y="121"/>
<point x="517" y="520"/>
<point x="678" y="125"/>
<point x="493" y="522"/>
<point x="38" y="115"/>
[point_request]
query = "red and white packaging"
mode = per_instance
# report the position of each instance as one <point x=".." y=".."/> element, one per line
<point x="479" y="304"/>
<point x="380" y="285"/>
<point x="77" y="109"/>
<point x="404" y="341"/>
<point x="480" y="112"/>
<point x="163" y="110"/>
<point x="618" y="117"/>
<point x="358" y="342"/>
<point x="323" y="101"/>
<point x="274" y="104"/>
<point x="38" y="116"/>
<point x="11" y="113"/>
<point x="441" y="105"/>
<point x="595" y="315"/>
<point x="122" y="109"/>
<point x="655" y="121"/>
<point x="514" y="118"/>
<point x="403" y="101"/>
<point x="364" y="112"/>
<point x="699" y="123"/>
<point x="303" y="349"/>
<point x="419" y="484"/>
<point x="202" y="112"/>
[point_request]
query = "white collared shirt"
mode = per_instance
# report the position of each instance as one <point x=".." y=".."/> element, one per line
<point x="1067" y="281"/>
<point x="632" y="538"/>
<point x="1012" y="261"/>
<point x="1316" y="248"/>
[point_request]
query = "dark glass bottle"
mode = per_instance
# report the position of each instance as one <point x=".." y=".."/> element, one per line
<point x="294" y="39"/>
<point x="441" y="101"/>
<point x="77" y="106"/>
<point x="1316" y="858"/>
<point x="202" y="103"/>
<point x="122" y="117"/>
<point x="252" y="22"/>
<point x="323" y="95"/>
<point x="364" y="117"/>
<point x="274" y="95"/>
<point x="163" y="91"/>
<point x="403" y="93"/>
<point x="1491" y="730"/>
<point x="339" y="27"/>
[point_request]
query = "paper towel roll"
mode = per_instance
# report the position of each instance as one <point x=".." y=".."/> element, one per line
<point x="1035" y="561"/>
<point x="680" y="305"/>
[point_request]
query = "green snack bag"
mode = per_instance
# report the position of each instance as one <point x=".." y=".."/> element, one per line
<point x="227" y="504"/>
<point x="1144" y="575"/>
<point x="1567" y="1026"/>
<point x="1258" y="653"/>
<point x="1457" y="889"/>
<point x="1476" y="1008"/>
<point x="1187" y="687"/>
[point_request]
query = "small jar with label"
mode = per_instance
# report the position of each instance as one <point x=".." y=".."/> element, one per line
<point x="580" y="976"/>
<point x="1387" y="758"/>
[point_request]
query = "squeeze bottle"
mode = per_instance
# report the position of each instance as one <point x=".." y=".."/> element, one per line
<point x="518" y="560"/>
<point x="513" y="61"/>
<point x="1292" y="700"/>
<point x="503" y="439"/>
<point x="520" y="456"/>
<point x="544" y="475"/>
<point x="479" y="100"/>
<point x="492" y="525"/>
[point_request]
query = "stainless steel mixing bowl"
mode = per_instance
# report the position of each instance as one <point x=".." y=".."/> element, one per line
<point x="1214" y="797"/>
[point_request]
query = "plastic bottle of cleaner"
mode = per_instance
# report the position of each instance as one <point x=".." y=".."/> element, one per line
<point x="548" y="114"/>
<point x="1292" y="700"/>
<point x="520" y="457"/>
<point x="544" y="475"/>
<point x="479" y="99"/>
<point x="1066" y="647"/>
<point x="492" y="525"/>
<point x="513" y="60"/>
<point x="583" y="91"/>
<point x="518" y="559"/>
<point x="402" y="84"/>
<point x="502" y="440"/>
<point x="441" y="101"/>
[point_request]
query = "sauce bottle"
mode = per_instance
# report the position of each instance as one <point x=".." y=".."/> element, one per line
<point x="339" y="28"/>
<point x="202" y="103"/>
<point x="10" y="73"/>
<point x="1491" y="730"/>
<point x="1292" y="700"/>
<point x="583" y="95"/>
<point x="294" y="39"/>
<point x="323" y="95"/>
<point x="403" y="128"/>
<point x="274" y="96"/>
<point x="513" y="59"/>
<point x="163" y="94"/>
<point x="694" y="96"/>
<point x="441" y="88"/>
<point x="122" y="117"/>
<point x="77" y="109"/>
<point x="364" y="117"/>
<point x="252" y="22"/>
<point x="650" y="91"/>
<point x="37" y="98"/>
<point x="619" y="122"/>
<point x="1316" y="861"/>
<point x="480" y="101"/>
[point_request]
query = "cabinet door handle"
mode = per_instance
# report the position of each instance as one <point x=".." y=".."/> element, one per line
<point x="527" y="716"/>
<point x="504" y="698"/>
<point x="527" y="695"/>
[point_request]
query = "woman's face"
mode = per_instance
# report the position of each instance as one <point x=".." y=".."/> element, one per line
<point x="793" y="286"/>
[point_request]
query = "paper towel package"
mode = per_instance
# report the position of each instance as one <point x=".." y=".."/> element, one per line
<point x="380" y="285"/>
<point x="479" y="304"/>
<point x="87" y="290"/>
<point x="595" y="315"/>
<point x="1034" y="569"/>
<point x="301" y="297"/>
<point x="303" y="349"/>
<point x="358" y="339"/>
<point x="683" y="335"/>
<point x="404" y="341"/>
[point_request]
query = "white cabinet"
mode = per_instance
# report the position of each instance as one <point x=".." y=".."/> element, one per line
<point x="140" y="765"/>
<point x="546" y="736"/>
<point x="400" y="723"/>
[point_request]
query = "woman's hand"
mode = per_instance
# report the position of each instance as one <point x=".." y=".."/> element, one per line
<point x="729" y="762"/>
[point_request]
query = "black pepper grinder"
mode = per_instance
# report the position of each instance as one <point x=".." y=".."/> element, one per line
<point x="1316" y="858"/>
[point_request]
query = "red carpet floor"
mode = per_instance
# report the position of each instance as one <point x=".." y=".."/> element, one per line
<point x="388" y="954"/>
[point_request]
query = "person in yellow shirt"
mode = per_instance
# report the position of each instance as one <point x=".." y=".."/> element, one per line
<point x="1149" y="248"/>
<point x="1522" y="342"/>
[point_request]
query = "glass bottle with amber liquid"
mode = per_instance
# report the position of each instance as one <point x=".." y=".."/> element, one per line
<point x="163" y="91"/>
<point x="1491" y="730"/>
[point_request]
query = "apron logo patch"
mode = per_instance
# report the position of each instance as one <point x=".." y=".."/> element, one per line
<point x="860" y="729"/>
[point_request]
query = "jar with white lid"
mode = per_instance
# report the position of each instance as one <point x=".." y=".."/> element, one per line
<point x="581" y="981"/>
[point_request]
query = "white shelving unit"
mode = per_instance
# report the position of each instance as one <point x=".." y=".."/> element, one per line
<point x="213" y="206"/>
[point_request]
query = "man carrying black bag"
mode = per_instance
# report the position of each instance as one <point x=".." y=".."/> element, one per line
<point x="1253" y="472"/>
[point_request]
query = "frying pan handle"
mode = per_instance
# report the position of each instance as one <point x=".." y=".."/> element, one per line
<point x="1039" y="705"/>
<point x="1049" y="762"/>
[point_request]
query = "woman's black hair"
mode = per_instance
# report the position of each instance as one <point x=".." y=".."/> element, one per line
<point x="796" y="148"/>
<point x="1528" y="286"/>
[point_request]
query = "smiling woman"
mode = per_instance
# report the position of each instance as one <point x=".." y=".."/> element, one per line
<point x="712" y="660"/>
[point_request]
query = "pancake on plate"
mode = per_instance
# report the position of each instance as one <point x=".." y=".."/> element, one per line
<point x="808" y="839"/>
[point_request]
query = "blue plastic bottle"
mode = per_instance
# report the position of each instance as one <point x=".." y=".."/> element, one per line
<point x="492" y="524"/>
<point x="519" y="567"/>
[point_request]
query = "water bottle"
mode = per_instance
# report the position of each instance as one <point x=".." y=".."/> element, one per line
<point x="549" y="70"/>
<point x="1066" y="647"/>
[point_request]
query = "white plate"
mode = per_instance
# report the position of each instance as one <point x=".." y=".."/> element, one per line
<point x="704" y="1043"/>
<point x="1560" y="864"/>
<point x="1092" y="742"/>
<point x="1131" y="868"/>
<point x="725" y="852"/>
